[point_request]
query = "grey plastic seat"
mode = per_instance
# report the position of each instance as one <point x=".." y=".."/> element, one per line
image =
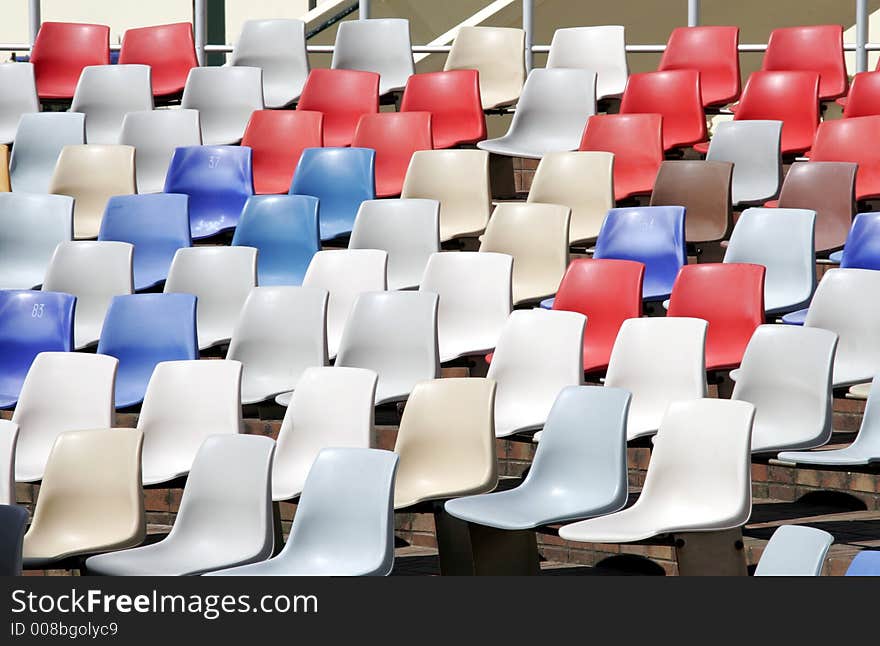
<point x="18" y="96"/>
<point x="39" y="139"/>
<point x="105" y="93"/>
<point x="13" y="522"/>
<point x="155" y="134"/>
<point x="550" y="116"/>
<point x="601" y="50"/>
<point x="379" y="45"/>
<point x="754" y="149"/>
<point x="225" y="98"/>
<point x="31" y="226"/>
<point x="213" y="530"/>
<point x="8" y="440"/>
<point x="407" y="229"/>
<point x="278" y="47"/>
<point x="344" y="523"/>
<point x="795" y="550"/>
<point x="783" y="240"/>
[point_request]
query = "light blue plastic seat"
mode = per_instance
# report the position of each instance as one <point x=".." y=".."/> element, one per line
<point x="285" y="230"/>
<point x="31" y="226"/>
<point x="795" y="550"/>
<point x="39" y="138"/>
<point x="865" y="563"/>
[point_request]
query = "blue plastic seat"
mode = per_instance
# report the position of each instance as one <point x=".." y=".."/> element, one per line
<point x="143" y="329"/>
<point x="13" y="520"/>
<point x="157" y="224"/>
<point x="218" y="180"/>
<point x="30" y="322"/>
<point x="652" y="235"/>
<point x="341" y="178"/>
<point x="865" y="563"/>
<point x="285" y="230"/>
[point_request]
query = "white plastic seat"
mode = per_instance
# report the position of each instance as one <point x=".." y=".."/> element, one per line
<point x="8" y="439"/>
<point x="550" y="116"/>
<point x="281" y="332"/>
<point x="539" y="352"/>
<point x="155" y="134"/>
<point x="795" y="550"/>
<point x="278" y="47"/>
<point x="475" y="299"/>
<point x="221" y="278"/>
<point x="225" y="98"/>
<point x="31" y="226"/>
<point x="754" y="149"/>
<point x="18" y="96"/>
<point x="601" y="50"/>
<point x="94" y="272"/>
<point x="105" y="93"/>
<point x="378" y="45"/>
<point x="409" y="230"/>
<point x="39" y="139"/>
<point x="496" y="53"/>
<point x="213" y="530"/>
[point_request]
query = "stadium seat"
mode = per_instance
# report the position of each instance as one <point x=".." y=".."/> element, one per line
<point x="343" y="96"/>
<point x="40" y="138"/>
<point x="278" y="47"/>
<point x="865" y="563"/>
<point x="550" y="116"/>
<point x="379" y="45"/>
<point x="142" y="330"/>
<point x="90" y="497"/>
<point x="284" y="228"/>
<point x="8" y="439"/>
<point x="348" y="493"/>
<point x="91" y="175"/>
<point x="155" y="135"/>
<point x="13" y="522"/>
<point x="5" y="186"/>
<point x="31" y="322"/>
<point x="105" y="93"/>
<point x="637" y="143"/>
<point x="753" y="147"/>
<point x="794" y="550"/>
<point x="280" y="333"/>
<point x="156" y="224"/>
<point x="459" y="180"/>
<point x="538" y="353"/>
<point x="395" y="335"/>
<point x="395" y="136"/>
<point x="18" y="96"/>
<point x="496" y="53"/>
<point x="652" y="235"/>
<point x="31" y="226"/>
<point x="862" y="249"/>
<point x="453" y="99"/>
<point x="63" y="391"/>
<point x="815" y="48"/>
<point x="221" y="278"/>
<point x="278" y="138"/>
<point x="61" y="51"/>
<point x="169" y="50"/>
<point x="601" y="50"/>
<point x="864" y="96"/>
<point x="675" y="95"/>
<point x="713" y="52"/>
<point x="475" y="293"/>
<point x="703" y="189"/>
<point x="341" y="178"/>
<point x="94" y="272"/>
<point x="848" y="140"/>
<point x="218" y="181"/>
<point x="225" y="98"/>
<point x="212" y="531"/>
<point x="409" y="230"/>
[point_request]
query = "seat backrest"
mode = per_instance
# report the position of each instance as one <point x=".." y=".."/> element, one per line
<point x="601" y="50"/>
<point x="753" y="149"/>
<point x="862" y="250"/>
<point x="453" y="99"/>
<point x="105" y="93"/>
<point x="278" y="47"/>
<point x="703" y="189"/>
<point x="864" y="96"/>
<point x="865" y="563"/>
<point x="344" y="96"/>
<point x="155" y="134"/>
<point x="395" y="136"/>
<point x="815" y="48"/>
<point x="675" y="95"/>
<point x="13" y="521"/>
<point x="18" y="96"/>
<point x="8" y="439"/>
<point x="225" y="98"/>
<point x="31" y="226"/>
<point x="61" y="50"/>
<point x="847" y="140"/>
<point x="169" y="50"/>
<point x="713" y="51"/>
<point x="791" y="97"/>
<point x="40" y="138"/>
<point x="496" y="53"/>
<point x="794" y="550"/>
<point x="278" y="138"/>
<point x="380" y="45"/>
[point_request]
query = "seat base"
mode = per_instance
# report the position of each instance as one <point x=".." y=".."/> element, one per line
<point x="718" y="553"/>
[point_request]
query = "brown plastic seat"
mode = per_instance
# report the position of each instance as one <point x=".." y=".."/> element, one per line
<point x="4" y="169"/>
<point x="703" y="188"/>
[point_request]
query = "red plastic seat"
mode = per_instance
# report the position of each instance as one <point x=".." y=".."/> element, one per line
<point x="168" y="49"/>
<point x="637" y="143"/>
<point x="816" y="48"/>
<point x="864" y="96"/>
<point x="676" y="96"/>
<point x="730" y="296"/>
<point x="344" y="96"/>
<point x="395" y="136"/>
<point x="453" y="99"/>
<point x="713" y="52"/>
<point x="278" y="138"/>
<point x="852" y="140"/>
<point x="62" y="50"/>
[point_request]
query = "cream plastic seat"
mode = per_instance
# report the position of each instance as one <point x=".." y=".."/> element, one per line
<point x="475" y="292"/>
<point x="155" y="134"/>
<point x="379" y="45"/>
<point x="8" y="439"/>
<point x="221" y="278"/>
<point x="94" y="272"/>
<point x="91" y="175"/>
<point x="281" y="332"/>
<point x="213" y="530"/>
<point x="39" y="138"/>
<point x="408" y="230"/>
<point x="599" y="49"/>
<point x="795" y="550"/>
<point x="446" y="441"/>
<point x="497" y="54"/>
<point x="699" y="479"/>
<point x="536" y="235"/>
<point x="90" y="498"/>
<point x="539" y="352"/>
<point x="278" y="47"/>
<point x="63" y="391"/>
<point x="331" y="407"/>
<point x="105" y="93"/>
<point x="31" y="226"/>
<point x="18" y="96"/>
<point x="225" y="98"/>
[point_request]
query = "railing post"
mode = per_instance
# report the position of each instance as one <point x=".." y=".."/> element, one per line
<point x="861" y="35"/>
<point x="364" y="9"/>
<point x="528" y="24"/>
<point x="200" y="28"/>
<point x="693" y="13"/>
<point x="34" y="19"/>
